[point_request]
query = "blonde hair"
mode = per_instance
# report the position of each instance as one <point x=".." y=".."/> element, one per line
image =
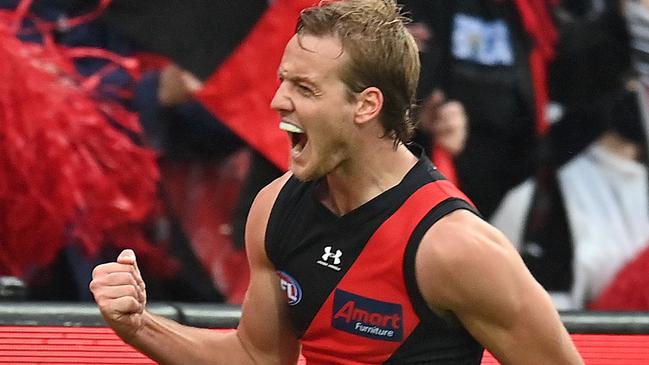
<point x="382" y="53"/>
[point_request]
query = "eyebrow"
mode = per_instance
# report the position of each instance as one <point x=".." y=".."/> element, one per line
<point x="283" y="74"/>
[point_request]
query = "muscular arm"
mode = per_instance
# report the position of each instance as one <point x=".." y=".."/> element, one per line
<point x="467" y="267"/>
<point x="263" y="336"/>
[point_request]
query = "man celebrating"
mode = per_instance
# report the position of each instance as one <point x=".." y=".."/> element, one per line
<point x="363" y="253"/>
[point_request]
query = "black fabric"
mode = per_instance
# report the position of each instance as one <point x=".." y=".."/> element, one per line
<point x="433" y="216"/>
<point x="490" y="166"/>
<point x="579" y="127"/>
<point x="509" y="86"/>
<point x="197" y="34"/>
<point x="184" y="132"/>
<point x="435" y="61"/>
<point x="592" y="58"/>
<point x="192" y="283"/>
<point x="260" y="173"/>
<point x="587" y="78"/>
<point x="419" y="343"/>
<point x="547" y="248"/>
<point x="505" y="83"/>
<point x="502" y="145"/>
<point x="447" y="329"/>
<point x="299" y="225"/>
<point x="626" y="118"/>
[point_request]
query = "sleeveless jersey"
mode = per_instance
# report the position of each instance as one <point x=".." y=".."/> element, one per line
<point x="350" y="281"/>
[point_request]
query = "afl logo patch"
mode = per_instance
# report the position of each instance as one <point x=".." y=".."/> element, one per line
<point x="291" y="287"/>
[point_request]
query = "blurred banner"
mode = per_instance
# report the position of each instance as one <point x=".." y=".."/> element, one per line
<point x="234" y="47"/>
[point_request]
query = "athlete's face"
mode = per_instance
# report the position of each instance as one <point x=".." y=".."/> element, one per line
<point x="314" y="105"/>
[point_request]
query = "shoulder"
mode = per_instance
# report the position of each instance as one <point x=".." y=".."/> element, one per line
<point x="460" y="253"/>
<point x="467" y="267"/>
<point x="461" y="232"/>
<point x="269" y="193"/>
<point x="259" y="214"/>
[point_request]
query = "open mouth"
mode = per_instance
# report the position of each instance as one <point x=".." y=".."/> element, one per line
<point x="297" y="135"/>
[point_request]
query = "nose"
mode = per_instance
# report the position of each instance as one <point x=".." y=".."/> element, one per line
<point x="281" y="102"/>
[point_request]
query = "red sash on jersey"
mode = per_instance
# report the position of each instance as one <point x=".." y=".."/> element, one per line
<point x="369" y="314"/>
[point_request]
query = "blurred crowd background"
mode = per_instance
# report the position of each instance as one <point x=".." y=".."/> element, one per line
<point x="147" y="125"/>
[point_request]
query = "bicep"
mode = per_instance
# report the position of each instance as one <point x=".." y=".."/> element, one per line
<point x="510" y="314"/>
<point x="485" y="283"/>
<point x="264" y="330"/>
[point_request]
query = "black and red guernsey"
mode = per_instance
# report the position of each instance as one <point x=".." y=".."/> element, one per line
<point x="350" y="281"/>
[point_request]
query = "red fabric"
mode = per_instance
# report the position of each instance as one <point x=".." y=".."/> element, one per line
<point x="629" y="290"/>
<point x="240" y="91"/>
<point x="538" y="66"/>
<point x="538" y="23"/>
<point x="66" y="173"/>
<point x="203" y="194"/>
<point x="151" y="61"/>
<point x="444" y="162"/>
<point x="324" y="344"/>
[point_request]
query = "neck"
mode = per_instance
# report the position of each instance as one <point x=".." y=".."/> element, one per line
<point x="365" y="177"/>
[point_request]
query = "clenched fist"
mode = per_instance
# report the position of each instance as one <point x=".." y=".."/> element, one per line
<point x="120" y="293"/>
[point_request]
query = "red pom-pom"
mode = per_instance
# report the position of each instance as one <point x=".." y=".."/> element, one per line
<point x="66" y="173"/>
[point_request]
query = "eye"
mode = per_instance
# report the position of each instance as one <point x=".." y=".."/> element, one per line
<point x="304" y="90"/>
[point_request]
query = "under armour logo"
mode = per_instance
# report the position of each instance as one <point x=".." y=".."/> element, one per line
<point x="331" y="255"/>
<point x="336" y="256"/>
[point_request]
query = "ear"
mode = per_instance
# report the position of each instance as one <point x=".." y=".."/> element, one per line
<point x="368" y="105"/>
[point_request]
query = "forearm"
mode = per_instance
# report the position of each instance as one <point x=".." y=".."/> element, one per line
<point x="542" y="336"/>
<point x="536" y="337"/>
<point x="541" y="349"/>
<point x="170" y="343"/>
<point x="522" y="329"/>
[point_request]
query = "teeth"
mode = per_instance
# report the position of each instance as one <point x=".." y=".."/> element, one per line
<point x="290" y="127"/>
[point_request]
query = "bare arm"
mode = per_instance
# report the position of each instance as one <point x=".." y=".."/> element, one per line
<point x="263" y="336"/>
<point x="467" y="267"/>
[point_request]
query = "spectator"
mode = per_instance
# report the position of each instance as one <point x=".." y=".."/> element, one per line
<point x="584" y="216"/>
<point x="629" y="289"/>
<point x="596" y="217"/>
<point x="491" y="57"/>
